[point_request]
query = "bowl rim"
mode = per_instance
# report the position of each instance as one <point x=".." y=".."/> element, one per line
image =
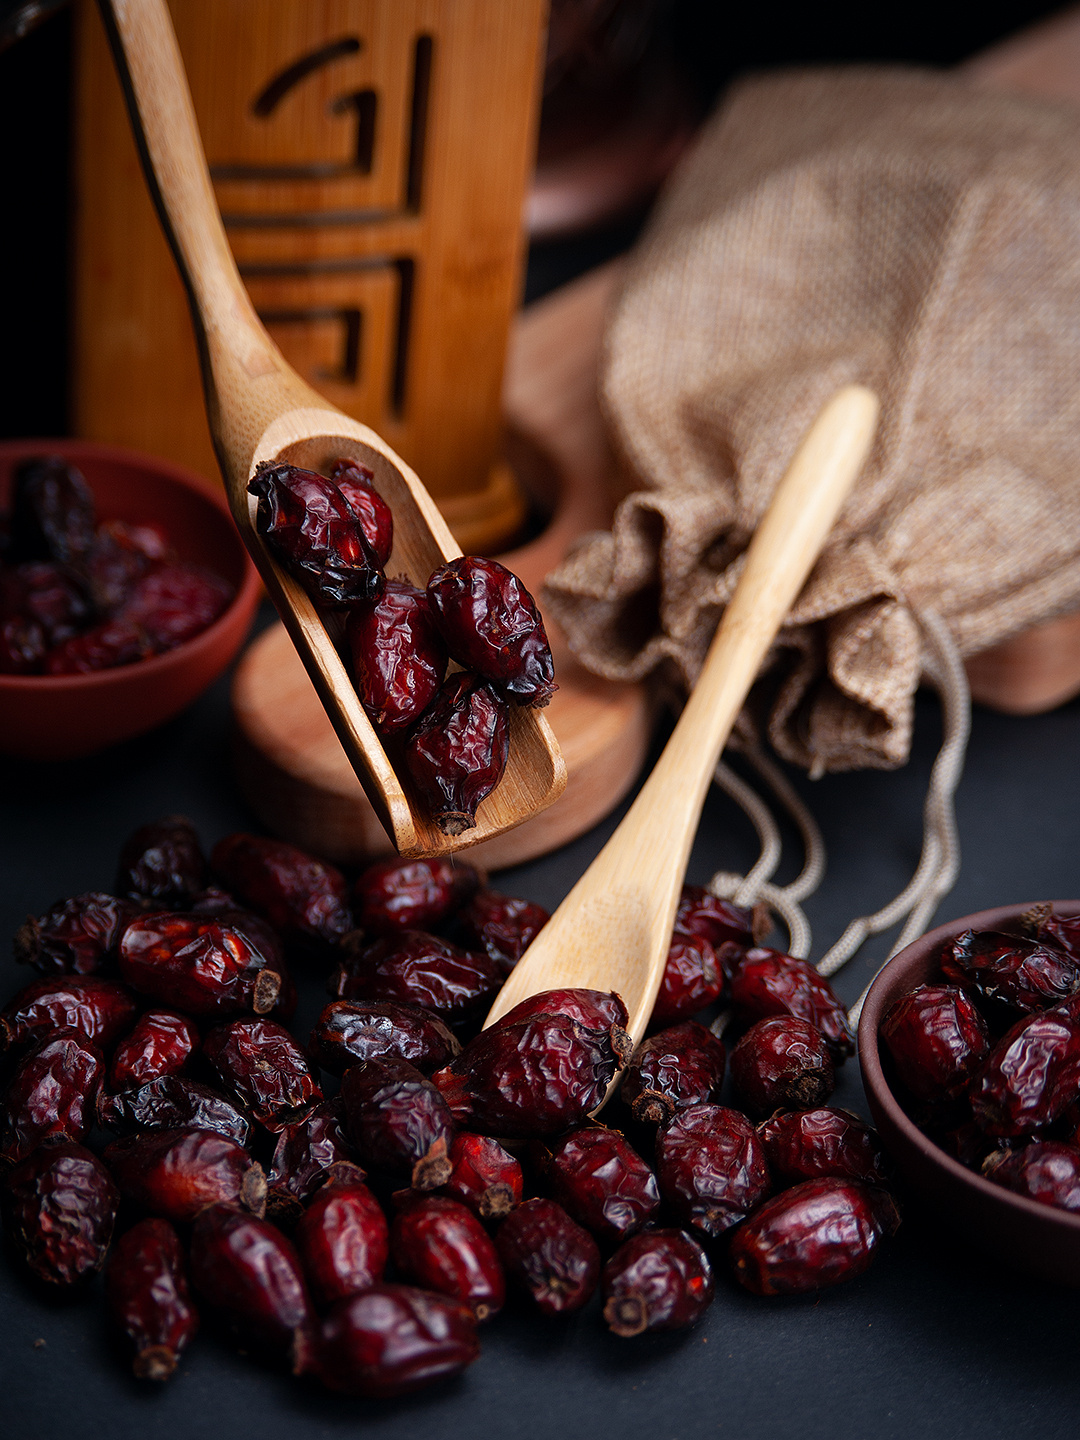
<point x="246" y="592"/>
<point x="873" y="1075"/>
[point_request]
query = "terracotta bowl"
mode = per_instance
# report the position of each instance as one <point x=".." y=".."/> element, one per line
<point x="61" y="717"/>
<point x="1036" y="1238"/>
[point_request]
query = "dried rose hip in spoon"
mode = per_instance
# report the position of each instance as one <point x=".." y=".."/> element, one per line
<point x="549" y="1256"/>
<point x="177" y="1173"/>
<point x="59" y="1209"/>
<point x="398" y="656"/>
<point x="456" y="753"/>
<point x="711" y="1167"/>
<point x="782" y="1063"/>
<point x="263" y="1066"/>
<point x="937" y="1040"/>
<point x="661" y="1280"/>
<point x="147" y="1289"/>
<point x="75" y="937"/>
<point x="250" y="1273"/>
<point x="395" y="895"/>
<point x="53" y="1092"/>
<point x="598" y="1177"/>
<point x="439" y="1244"/>
<point x="343" y="1239"/>
<point x="679" y="1067"/>
<point x="357" y="483"/>
<point x="398" y="1120"/>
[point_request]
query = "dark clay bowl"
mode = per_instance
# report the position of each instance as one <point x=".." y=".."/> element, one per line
<point x="61" y="717"/>
<point x="1036" y="1238"/>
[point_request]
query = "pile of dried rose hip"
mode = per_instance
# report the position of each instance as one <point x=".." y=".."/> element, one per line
<point x="334" y="535"/>
<point x="987" y="1063"/>
<point x="366" y="1236"/>
<point x="77" y="595"/>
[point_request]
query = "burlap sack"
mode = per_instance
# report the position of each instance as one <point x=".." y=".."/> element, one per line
<point x="900" y="229"/>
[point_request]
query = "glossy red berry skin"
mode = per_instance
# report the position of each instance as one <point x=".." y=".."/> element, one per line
<point x="177" y="1173"/>
<point x="343" y="1241"/>
<point x="711" y="1168"/>
<point x="692" y="979"/>
<point x="349" y="1031"/>
<point x="1029" y="1078"/>
<point x="659" y="1280"/>
<point x="357" y="483"/>
<point x="781" y="1063"/>
<point x="813" y="1144"/>
<point x="389" y="1341"/>
<point x="175" y="1102"/>
<point x="98" y="1008"/>
<point x="316" y="535"/>
<point x="414" y="968"/>
<point x="147" y="1290"/>
<point x="198" y="964"/>
<point x="599" y="1179"/>
<point x="303" y="1155"/>
<point x="174" y="603"/>
<point x="600" y="1010"/>
<point x="59" y="1210"/>
<point x="767" y="982"/>
<point x="439" y="1244"/>
<point x="304" y="898"/>
<point x="398" y="657"/>
<point x="79" y="936"/>
<point x="52" y="1092"/>
<point x="484" y="1176"/>
<point x="1046" y="1170"/>
<point x="681" y="1066"/>
<point x="260" y="1063"/>
<point x="161" y="1042"/>
<point x="549" y="1256"/>
<point x="491" y="625"/>
<point x="163" y="862"/>
<point x="398" y="1120"/>
<point x="251" y="1274"/>
<point x="1022" y="974"/>
<point x="456" y="752"/>
<point x="502" y="926"/>
<point x="718" y="921"/>
<point x="936" y="1039"/>
<point x="395" y="895"/>
<point x="816" y="1234"/>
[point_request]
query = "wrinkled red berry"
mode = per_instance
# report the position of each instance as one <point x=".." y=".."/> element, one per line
<point x="163" y="861"/>
<point x="161" y="1042"/>
<point x="304" y="1153"/>
<point x="692" y="979"/>
<point x="175" y="603"/>
<point x="1021" y="973"/>
<point x="147" y="1289"/>
<point x="101" y="1009"/>
<point x="549" y="1256"/>
<point x="74" y="937"/>
<point x="768" y="982"/>
<point x="501" y="925"/>
<point x="357" y="483"/>
<point x="439" y="1243"/>
<point x="679" y="1067"/>
<point x="413" y="968"/>
<point x="601" y="1010"/>
<point x="301" y="896"/>
<point x="250" y="1273"/>
<point x="104" y="647"/>
<point x="175" y="1102"/>
<point x="398" y="1120"/>
<point x="260" y="1063"/>
<point x="598" y="1177"/>
<point x="1047" y="1170"/>
<point x="819" y="1233"/>
<point x="198" y="964"/>
<point x="398" y="656"/>
<point x="22" y="646"/>
<point x="781" y="1063"/>
<point x="1029" y="1078"/>
<point x="711" y="1167"/>
<point x="343" y="1241"/>
<point x="53" y="1092"/>
<point x="395" y="895"/>
<point x="456" y="752"/>
<point x="661" y="1280"/>
<point x="1060" y="930"/>
<point x="112" y="565"/>
<point x="702" y="913"/>
<point x="59" y="1209"/>
<point x="52" y="510"/>
<point x="811" y="1144"/>
<point x="177" y="1173"/>
<point x="46" y="595"/>
<point x="936" y="1039"/>
<point x="484" y="1176"/>
<point x="349" y="1031"/>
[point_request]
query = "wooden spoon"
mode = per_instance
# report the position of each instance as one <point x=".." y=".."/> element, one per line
<point x="613" y="930"/>
<point x="259" y="409"/>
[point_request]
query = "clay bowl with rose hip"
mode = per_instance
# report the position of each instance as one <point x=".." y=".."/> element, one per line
<point x="63" y="717"/>
<point x="1039" y="1239"/>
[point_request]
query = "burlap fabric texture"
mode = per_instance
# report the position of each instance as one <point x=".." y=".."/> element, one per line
<point x="896" y="228"/>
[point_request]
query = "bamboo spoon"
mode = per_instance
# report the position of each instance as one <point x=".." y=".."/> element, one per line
<point x="259" y="409"/>
<point x="613" y="930"/>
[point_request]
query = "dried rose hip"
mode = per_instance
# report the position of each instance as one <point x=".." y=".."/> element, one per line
<point x="1047" y="1170"/>
<point x="161" y="1042"/>
<point x="1029" y="1078"/>
<point x="679" y="1067"/>
<point x="104" y="647"/>
<point x="301" y="896"/>
<point x="819" y="1233"/>
<point x="456" y="752"/>
<point x="413" y="968"/>
<point x="101" y="1009"/>
<point x="533" y="1078"/>
<point x="692" y="979"/>
<point x="398" y="1120"/>
<point x="711" y="1167"/>
<point x="768" y="982"/>
<point x="389" y="1341"/>
<point x="198" y="964"/>
<point x="502" y="925"/>
<point x="598" y="1177"/>
<point x="356" y="483"/>
<point x="52" y="511"/>
<point x="600" y="1010"/>
<point x="395" y="895"/>
<point x="398" y="656"/>
<point x="781" y="1063"/>
<point x="349" y="1031"/>
<point x="811" y="1144"/>
<point x="53" y="1092"/>
<point x="1060" y="930"/>
<point x="147" y="1289"/>
<point x="247" y="1270"/>
<point x="173" y="1102"/>
<point x="176" y="603"/>
<point x="261" y="1064"/>
<point x="439" y="1243"/>
<point x="59" y="1209"/>
<point x="75" y="937"/>
<point x="343" y="1241"/>
<point x="303" y="1156"/>
<point x="718" y="921"/>
<point x="491" y="625"/>
<point x="484" y="1176"/>
<point x="1021" y="973"/>
<point x="315" y="534"/>
<point x="937" y="1039"/>
<point x="112" y="565"/>
<point x="177" y="1173"/>
<point x="46" y="595"/>
<point x="22" y="646"/>
<point x="661" y="1280"/>
<point x="549" y="1256"/>
<point x="163" y="861"/>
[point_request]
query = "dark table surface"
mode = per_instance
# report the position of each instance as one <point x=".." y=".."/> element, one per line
<point x="937" y="1340"/>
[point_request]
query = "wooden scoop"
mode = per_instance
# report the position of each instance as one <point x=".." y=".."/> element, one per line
<point x="259" y="409"/>
<point x="613" y="930"/>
